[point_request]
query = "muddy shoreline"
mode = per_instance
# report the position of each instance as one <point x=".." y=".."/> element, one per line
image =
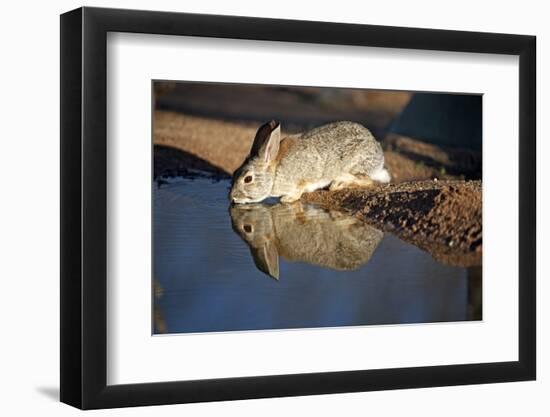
<point x="441" y="217"/>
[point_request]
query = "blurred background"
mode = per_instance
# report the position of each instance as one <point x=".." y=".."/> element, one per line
<point x="210" y="126"/>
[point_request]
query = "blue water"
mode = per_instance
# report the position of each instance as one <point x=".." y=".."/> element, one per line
<point x="206" y="278"/>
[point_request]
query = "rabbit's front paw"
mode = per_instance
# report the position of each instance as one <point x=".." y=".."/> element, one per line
<point x="291" y="198"/>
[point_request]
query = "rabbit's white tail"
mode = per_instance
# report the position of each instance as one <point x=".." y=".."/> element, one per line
<point x="382" y="175"/>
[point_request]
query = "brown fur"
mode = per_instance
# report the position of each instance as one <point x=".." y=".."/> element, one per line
<point x="284" y="148"/>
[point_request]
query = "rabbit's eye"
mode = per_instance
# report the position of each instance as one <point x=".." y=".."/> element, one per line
<point x="247" y="228"/>
<point x="248" y="179"/>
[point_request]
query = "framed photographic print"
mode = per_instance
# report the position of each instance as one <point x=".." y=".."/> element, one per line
<point x="256" y="208"/>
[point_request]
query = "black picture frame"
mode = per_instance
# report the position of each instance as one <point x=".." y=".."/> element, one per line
<point x="84" y="207"/>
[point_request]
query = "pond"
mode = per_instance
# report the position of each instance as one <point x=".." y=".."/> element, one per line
<point x="274" y="266"/>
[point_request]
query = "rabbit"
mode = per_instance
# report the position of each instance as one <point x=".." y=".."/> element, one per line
<point x="337" y="155"/>
<point x="303" y="233"/>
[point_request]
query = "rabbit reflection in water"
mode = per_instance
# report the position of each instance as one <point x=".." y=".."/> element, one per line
<point x="337" y="155"/>
<point x="303" y="233"/>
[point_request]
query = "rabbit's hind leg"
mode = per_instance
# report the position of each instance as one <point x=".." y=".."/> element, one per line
<point x="350" y="181"/>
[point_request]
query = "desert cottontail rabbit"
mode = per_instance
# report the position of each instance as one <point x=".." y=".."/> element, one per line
<point x="337" y="155"/>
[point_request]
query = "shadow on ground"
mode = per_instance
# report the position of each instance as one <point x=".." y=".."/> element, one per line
<point x="50" y="392"/>
<point x="173" y="162"/>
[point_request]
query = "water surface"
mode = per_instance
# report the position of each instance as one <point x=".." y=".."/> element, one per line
<point x="275" y="266"/>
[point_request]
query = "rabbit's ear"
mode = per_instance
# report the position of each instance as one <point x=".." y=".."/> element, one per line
<point x="266" y="142"/>
<point x="266" y="258"/>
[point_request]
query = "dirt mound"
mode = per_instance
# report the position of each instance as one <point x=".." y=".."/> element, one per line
<point x="441" y="217"/>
